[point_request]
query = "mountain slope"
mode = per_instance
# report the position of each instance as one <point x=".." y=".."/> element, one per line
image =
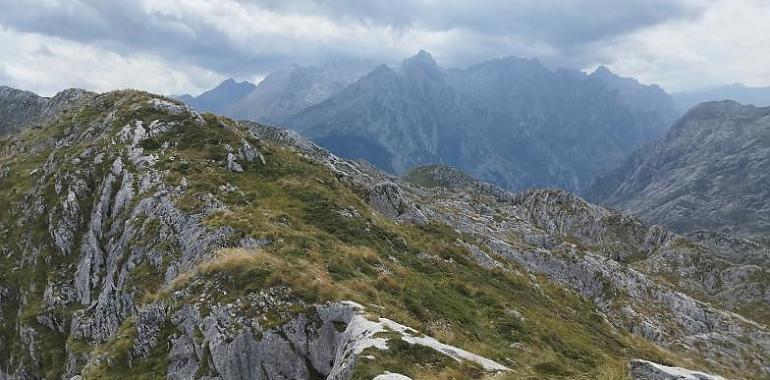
<point x="509" y="121"/>
<point x="19" y="109"/>
<point x="653" y="109"/>
<point x="141" y="239"/>
<point x="412" y="109"/>
<point x="709" y="173"/>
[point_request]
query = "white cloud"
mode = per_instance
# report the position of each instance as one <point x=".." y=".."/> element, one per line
<point x="174" y="46"/>
<point x="728" y="44"/>
<point x="47" y="65"/>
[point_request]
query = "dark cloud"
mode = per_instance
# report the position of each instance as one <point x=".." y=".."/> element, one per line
<point x="565" y="29"/>
<point x="125" y="27"/>
<point x="557" y="22"/>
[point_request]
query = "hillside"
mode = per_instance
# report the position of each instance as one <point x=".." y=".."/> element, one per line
<point x="141" y="239"/>
<point x="709" y="173"/>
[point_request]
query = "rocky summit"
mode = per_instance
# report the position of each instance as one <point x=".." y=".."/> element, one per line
<point x="142" y="239"/>
<point x="709" y="173"/>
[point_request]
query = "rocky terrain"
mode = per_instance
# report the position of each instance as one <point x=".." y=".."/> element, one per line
<point x="709" y="173"/>
<point x="19" y="109"/>
<point x="142" y="239"/>
<point x="510" y="121"/>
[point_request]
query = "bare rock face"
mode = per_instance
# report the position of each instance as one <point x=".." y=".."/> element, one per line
<point x="388" y="199"/>
<point x="645" y="370"/>
<point x="709" y="173"/>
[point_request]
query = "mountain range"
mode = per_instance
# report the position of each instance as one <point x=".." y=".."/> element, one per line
<point x="510" y="121"/>
<point x="140" y="238"/>
<point x="283" y="92"/>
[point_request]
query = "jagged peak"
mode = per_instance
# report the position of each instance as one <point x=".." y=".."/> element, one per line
<point x="421" y="65"/>
<point x="230" y="82"/>
<point x="422" y="56"/>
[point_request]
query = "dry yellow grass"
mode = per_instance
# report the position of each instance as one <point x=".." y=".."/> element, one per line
<point x="234" y="258"/>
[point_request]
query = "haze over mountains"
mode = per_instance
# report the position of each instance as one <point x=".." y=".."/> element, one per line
<point x="283" y="92"/>
<point x="757" y="96"/>
<point x="510" y="121"/>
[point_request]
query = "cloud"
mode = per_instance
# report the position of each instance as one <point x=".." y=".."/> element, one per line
<point x="233" y="36"/>
<point x="202" y="41"/>
<point x="48" y="65"/>
<point x="556" y="22"/>
<point x="728" y="44"/>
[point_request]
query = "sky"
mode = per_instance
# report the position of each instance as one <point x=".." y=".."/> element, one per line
<point x="187" y="46"/>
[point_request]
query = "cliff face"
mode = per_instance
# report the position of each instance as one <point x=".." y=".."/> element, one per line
<point x="709" y="173"/>
<point x="140" y="239"/>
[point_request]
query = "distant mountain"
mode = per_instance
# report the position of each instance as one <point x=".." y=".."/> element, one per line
<point x="281" y="93"/>
<point x="510" y="121"/>
<point x="220" y="98"/>
<point x="393" y="119"/>
<point x="19" y="108"/>
<point x="295" y="88"/>
<point x="710" y="172"/>
<point x="757" y="96"/>
<point x="652" y="107"/>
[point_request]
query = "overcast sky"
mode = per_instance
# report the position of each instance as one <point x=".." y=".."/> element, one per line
<point x="179" y="46"/>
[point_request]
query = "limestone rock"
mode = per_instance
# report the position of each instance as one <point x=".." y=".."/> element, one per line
<point x="388" y="199"/>
<point x="232" y="164"/>
<point x="646" y="370"/>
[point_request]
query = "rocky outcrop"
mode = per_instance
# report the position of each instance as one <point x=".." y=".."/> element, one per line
<point x="388" y="199"/>
<point x="645" y="370"/>
<point x="308" y="346"/>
